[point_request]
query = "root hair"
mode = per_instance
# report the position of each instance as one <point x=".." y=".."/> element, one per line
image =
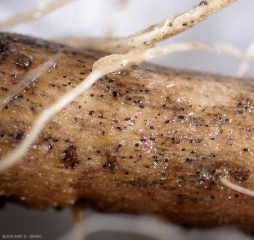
<point x="235" y="187"/>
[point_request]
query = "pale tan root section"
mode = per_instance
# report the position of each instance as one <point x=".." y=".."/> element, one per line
<point x="78" y="212"/>
<point x="30" y="77"/>
<point x="149" y="37"/>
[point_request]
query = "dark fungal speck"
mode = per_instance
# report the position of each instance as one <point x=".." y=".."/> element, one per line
<point x="189" y="160"/>
<point x="111" y="163"/>
<point x="23" y="61"/>
<point x="127" y="119"/>
<point x="118" y="146"/>
<point x="115" y="94"/>
<point x="69" y="157"/>
<point x="180" y="195"/>
<point x="203" y="3"/>
<point x="17" y="135"/>
<point x="141" y="105"/>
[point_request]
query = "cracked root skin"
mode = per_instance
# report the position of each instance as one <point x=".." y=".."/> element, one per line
<point x="142" y="140"/>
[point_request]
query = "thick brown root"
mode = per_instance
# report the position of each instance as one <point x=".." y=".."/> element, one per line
<point x="142" y="140"/>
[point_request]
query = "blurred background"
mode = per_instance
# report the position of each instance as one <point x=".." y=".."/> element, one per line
<point x="92" y="18"/>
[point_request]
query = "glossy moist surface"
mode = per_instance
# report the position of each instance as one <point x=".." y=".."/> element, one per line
<point x="142" y="140"/>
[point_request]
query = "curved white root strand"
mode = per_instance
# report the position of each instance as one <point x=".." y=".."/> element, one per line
<point x="235" y="187"/>
<point x="244" y="67"/>
<point x="34" y="14"/>
<point x="28" y="79"/>
<point x="135" y="56"/>
<point x="138" y="56"/>
<point x="154" y="34"/>
<point x="150" y="227"/>
<point x="190" y="46"/>
<point x="226" y="48"/>
<point x="143" y="225"/>
<point x="19" y="152"/>
<point x="180" y="23"/>
<point x="174" y="47"/>
<point x="178" y="47"/>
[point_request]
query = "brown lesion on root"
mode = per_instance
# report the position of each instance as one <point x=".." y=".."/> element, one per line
<point x="111" y="163"/>
<point x="157" y="159"/>
<point x="69" y="158"/>
<point x="23" y="61"/>
<point x="235" y="172"/>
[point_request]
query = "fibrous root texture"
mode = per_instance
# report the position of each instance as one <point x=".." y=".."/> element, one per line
<point x="145" y="139"/>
